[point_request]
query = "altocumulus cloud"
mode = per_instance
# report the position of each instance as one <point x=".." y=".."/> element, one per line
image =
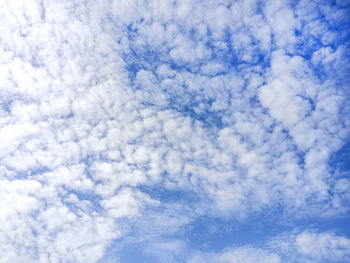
<point x="174" y="131"/>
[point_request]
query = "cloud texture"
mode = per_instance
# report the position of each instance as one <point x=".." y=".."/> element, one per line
<point x="128" y="122"/>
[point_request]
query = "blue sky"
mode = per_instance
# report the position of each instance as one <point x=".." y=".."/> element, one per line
<point x="175" y="131"/>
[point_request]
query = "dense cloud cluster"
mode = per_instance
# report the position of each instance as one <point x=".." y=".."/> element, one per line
<point x="124" y="122"/>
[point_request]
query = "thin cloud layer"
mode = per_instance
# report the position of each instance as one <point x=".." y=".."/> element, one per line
<point x="125" y="123"/>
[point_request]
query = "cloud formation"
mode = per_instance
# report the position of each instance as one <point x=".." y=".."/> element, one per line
<point x="126" y="122"/>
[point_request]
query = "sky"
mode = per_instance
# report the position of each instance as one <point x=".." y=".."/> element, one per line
<point x="183" y="131"/>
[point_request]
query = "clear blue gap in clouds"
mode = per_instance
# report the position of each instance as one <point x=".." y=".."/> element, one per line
<point x="213" y="234"/>
<point x="341" y="160"/>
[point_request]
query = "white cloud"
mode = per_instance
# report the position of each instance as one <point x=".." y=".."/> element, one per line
<point x="79" y="139"/>
<point x="247" y="255"/>
<point x="323" y="246"/>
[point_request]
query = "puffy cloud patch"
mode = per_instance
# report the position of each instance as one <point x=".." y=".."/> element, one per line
<point x="122" y="114"/>
<point x="327" y="246"/>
